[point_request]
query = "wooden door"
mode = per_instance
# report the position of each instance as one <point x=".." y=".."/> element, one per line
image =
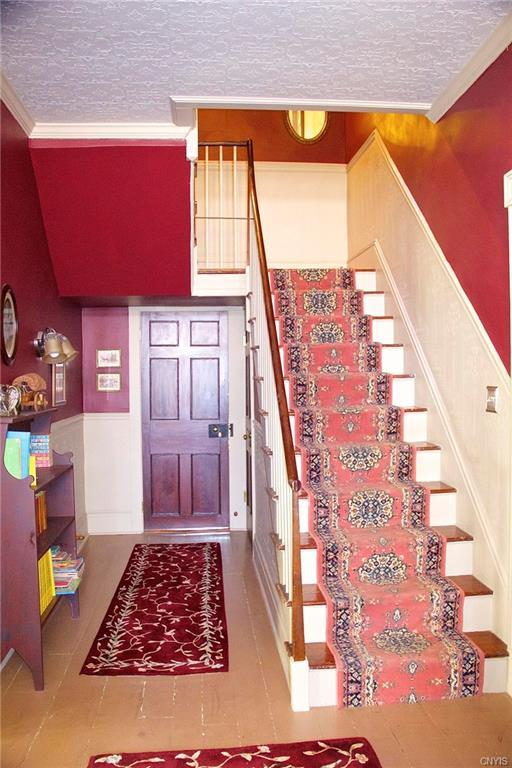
<point x="184" y="360"/>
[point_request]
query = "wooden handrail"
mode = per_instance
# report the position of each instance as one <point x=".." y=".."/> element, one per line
<point x="284" y="416"/>
<point x="298" y="644"/>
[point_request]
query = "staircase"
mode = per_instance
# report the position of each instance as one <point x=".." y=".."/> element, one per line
<point x="358" y="429"/>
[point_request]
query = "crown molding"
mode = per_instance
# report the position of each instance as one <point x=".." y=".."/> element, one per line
<point x="181" y="105"/>
<point x="476" y="66"/>
<point x="109" y="131"/>
<point x="16" y="106"/>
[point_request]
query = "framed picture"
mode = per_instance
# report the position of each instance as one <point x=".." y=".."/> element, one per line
<point x="108" y="358"/>
<point x="108" y="382"/>
<point x="58" y="384"/>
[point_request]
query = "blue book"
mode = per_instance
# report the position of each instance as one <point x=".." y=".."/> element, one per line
<point x="24" y="438"/>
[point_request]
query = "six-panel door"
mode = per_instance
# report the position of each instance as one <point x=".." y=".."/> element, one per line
<point x="184" y="390"/>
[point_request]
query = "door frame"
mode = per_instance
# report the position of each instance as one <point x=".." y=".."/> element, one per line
<point x="236" y="450"/>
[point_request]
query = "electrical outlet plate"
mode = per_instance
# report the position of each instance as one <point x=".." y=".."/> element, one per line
<point x="492" y="400"/>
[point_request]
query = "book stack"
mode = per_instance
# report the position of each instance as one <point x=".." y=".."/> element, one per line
<point x="40" y="448"/>
<point x="46" y="581"/>
<point x="41" y="512"/>
<point x="67" y="571"/>
<point x="18" y="460"/>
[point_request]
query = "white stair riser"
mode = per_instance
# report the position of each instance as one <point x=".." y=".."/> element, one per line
<point x="366" y="280"/>
<point x="323" y="682"/>
<point x="459" y="560"/>
<point x="304" y="515"/>
<point x="477" y="613"/>
<point x="443" y="509"/>
<point x="495" y="675"/>
<point x="428" y="466"/>
<point x="374" y="304"/>
<point x="392" y="360"/>
<point x="402" y="392"/>
<point x="414" y="428"/>
<point x="476" y="617"/>
<point x="383" y="330"/>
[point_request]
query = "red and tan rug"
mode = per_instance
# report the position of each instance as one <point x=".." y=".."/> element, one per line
<point x="167" y="616"/>
<point x="394" y="619"/>
<point x="330" y="753"/>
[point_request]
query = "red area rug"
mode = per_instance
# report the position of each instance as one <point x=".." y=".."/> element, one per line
<point x="167" y="616"/>
<point x="394" y="619"/>
<point x="331" y="753"/>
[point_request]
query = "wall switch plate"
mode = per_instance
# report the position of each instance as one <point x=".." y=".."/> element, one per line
<point x="492" y="400"/>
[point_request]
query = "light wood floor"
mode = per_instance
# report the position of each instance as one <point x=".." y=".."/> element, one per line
<point x="79" y="716"/>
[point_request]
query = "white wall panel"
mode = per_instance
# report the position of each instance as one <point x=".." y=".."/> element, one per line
<point x="450" y="353"/>
<point x="67" y="436"/>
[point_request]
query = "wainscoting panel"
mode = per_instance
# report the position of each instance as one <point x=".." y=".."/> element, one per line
<point x="450" y="353"/>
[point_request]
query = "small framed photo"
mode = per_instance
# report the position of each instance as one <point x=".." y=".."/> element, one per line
<point x="108" y="382"/>
<point x="58" y="384"/>
<point x="108" y="358"/>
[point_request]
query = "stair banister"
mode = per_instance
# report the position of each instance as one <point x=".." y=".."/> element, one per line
<point x="298" y="646"/>
<point x="298" y="651"/>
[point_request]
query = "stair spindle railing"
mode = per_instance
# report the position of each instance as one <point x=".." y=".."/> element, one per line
<point x="280" y="443"/>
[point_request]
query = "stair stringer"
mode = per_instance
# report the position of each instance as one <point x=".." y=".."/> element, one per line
<point x="471" y="512"/>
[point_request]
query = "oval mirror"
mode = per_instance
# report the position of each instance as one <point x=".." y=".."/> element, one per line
<point x="307" y="125"/>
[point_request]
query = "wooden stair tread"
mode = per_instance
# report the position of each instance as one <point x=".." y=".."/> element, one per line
<point x="320" y="657"/>
<point x="415" y="409"/>
<point x="424" y="446"/>
<point x="452" y="532"/>
<point x="436" y="486"/>
<point x="311" y="595"/>
<point x="307" y="541"/>
<point x="471" y="586"/>
<point x="491" y="645"/>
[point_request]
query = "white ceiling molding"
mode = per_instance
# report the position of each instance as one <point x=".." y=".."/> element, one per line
<point x="181" y="105"/>
<point x="16" y="106"/>
<point x="110" y="131"/>
<point x="500" y="39"/>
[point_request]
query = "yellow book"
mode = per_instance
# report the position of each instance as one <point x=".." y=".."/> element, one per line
<point x="46" y="581"/>
<point x="32" y="470"/>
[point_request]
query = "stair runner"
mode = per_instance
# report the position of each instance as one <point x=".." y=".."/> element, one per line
<point x="393" y="619"/>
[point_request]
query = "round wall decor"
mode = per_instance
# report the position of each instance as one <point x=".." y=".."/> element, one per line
<point x="9" y="329"/>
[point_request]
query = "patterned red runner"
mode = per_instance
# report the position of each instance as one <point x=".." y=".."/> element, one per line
<point x="167" y="616"/>
<point x="394" y="620"/>
<point x="340" y="753"/>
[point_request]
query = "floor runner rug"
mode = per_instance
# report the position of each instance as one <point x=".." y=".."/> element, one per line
<point x="340" y="753"/>
<point x="394" y="620"/>
<point x="167" y="616"/>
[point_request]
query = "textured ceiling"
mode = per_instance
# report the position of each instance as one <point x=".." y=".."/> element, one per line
<point x="105" y="60"/>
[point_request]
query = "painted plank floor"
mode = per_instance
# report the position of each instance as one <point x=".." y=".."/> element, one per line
<point x="78" y="716"/>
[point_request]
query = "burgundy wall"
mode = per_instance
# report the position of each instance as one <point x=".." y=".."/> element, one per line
<point x="117" y="216"/>
<point x="455" y="171"/>
<point x="105" y="328"/>
<point x="27" y="267"/>
<point x="272" y="141"/>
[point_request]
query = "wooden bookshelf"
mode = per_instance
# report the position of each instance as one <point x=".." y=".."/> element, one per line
<point x="21" y="548"/>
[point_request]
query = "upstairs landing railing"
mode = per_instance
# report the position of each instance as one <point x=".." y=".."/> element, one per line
<point x="222" y="220"/>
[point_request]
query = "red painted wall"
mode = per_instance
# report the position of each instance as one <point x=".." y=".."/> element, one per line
<point x="105" y="328"/>
<point x="272" y="140"/>
<point x="117" y="216"/>
<point x="27" y="267"/>
<point x="455" y="171"/>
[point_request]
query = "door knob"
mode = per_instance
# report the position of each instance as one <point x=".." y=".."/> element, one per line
<point x="247" y="436"/>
